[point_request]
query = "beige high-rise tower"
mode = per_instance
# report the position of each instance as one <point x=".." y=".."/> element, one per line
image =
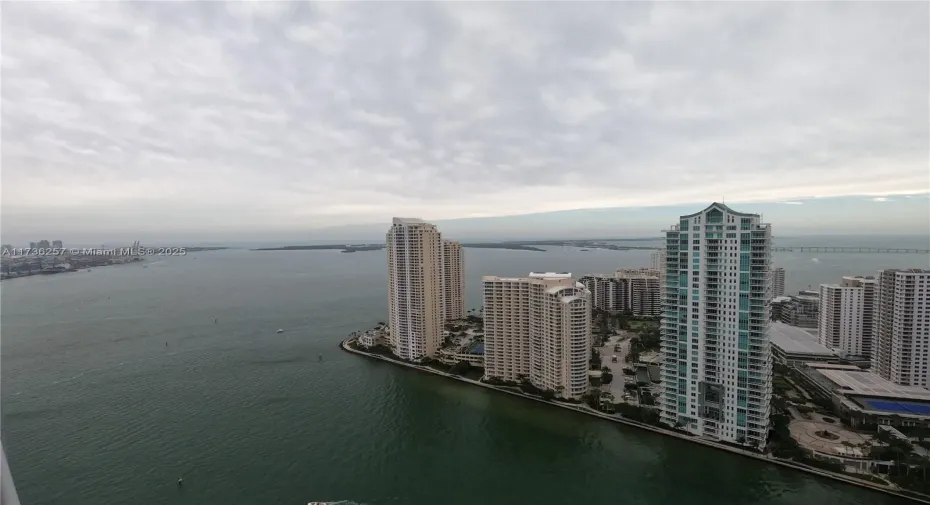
<point x="538" y="328"/>
<point x="415" y="288"/>
<point x="453" y="280"/>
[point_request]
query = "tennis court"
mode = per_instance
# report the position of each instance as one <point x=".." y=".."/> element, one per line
<point x="896" y="407"/>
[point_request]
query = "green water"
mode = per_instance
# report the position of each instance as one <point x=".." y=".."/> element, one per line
<point x="116" y="382"/>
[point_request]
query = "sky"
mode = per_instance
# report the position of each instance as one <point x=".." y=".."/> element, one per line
<point x="169" y="120"/>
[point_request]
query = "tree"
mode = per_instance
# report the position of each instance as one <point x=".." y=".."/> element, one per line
<point x="460" y="368"/>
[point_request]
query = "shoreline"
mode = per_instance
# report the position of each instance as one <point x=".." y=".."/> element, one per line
<point x="344" y="345"/>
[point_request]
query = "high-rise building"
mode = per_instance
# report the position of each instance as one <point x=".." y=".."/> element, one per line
<point x="902" y="341"/>
<point x="33" y="245"/>
<point x="847" y="315"/>
<point x="637" y="290"/>
<point x="415" y="288"/>
<point x="778" y="282"/>
<point x="453" y="280"/>
<point x="538" y="328"/>
<point x="43" y="244"/>
<point x="57" y="244"/>
<point x="717" y="367"/>
<point x="657" y="259"/>
<point x="802" y="310"/>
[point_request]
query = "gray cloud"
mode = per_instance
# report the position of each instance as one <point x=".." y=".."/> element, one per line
<point x="167" y="116"/>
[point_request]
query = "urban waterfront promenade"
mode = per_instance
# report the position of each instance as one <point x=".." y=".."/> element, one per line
<point x="584" y="409"/>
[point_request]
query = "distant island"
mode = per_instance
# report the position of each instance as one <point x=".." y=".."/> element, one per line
<point x="199" y="249"/>
<point x="346" y="248"/>
<point x="515" y="245"/>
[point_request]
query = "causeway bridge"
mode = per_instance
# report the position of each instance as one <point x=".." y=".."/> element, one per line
<point x="853" y="249"/>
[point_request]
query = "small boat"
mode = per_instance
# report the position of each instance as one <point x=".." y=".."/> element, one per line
<point x="280" y="330"/>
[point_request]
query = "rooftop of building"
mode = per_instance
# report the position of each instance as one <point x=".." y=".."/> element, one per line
<point x="853" y="381"/>
<point x="909" y="271"/>
<point x="852" y="282"/>
<point x="627" y="273"/>
<point x="636" y="272"/>
<point x="722" y="207"/>
<point x="561" y="280"/>
<point x="550" y="275"/>
<point x="408" y="220"/>
<point x="794" y="340"/>
<point x="781" y="299"/>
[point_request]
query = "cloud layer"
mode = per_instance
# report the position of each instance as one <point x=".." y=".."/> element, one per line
<point x="203" y="115"/>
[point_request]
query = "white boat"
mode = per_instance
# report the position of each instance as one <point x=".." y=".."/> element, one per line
<point x="282" y="331"/>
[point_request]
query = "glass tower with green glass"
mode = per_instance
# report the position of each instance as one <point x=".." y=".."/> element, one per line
<point x="717" y="366"/>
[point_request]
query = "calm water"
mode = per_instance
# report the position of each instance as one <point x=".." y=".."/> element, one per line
<point x="116" y="382"/>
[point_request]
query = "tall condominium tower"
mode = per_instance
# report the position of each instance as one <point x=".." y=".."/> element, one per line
<point x="717" y="371"/>
<point x="847" y="315"/>
<point x="415" y="288"/>
<point x="778" y="282"/>
<point x="453" y="280"/>
<point x="538" y="328"/>
<point x="636" y="290"/>
<point x="658" y="259"/>
<point x="902" y="341"/>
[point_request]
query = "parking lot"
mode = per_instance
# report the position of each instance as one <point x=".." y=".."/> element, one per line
<point x="616" y="369"/>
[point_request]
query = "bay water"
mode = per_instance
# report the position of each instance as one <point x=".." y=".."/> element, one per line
<point x="117" y="381"/>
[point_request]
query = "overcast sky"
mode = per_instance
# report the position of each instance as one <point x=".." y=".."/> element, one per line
<point x="174" y="119"/>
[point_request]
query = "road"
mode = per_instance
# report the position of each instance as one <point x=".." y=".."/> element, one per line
<point x="616" y="369"/>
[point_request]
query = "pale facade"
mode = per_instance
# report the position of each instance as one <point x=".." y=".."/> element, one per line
<point x="415" y="288"/>
<point x="717" y="366"/>
<point x="901" y="350"/>
<point x="538" y="328"/>
<point x="658" y="260"/>
<point x="636" y="290"/>
<point x="453" y="278"/>
<point x="778" y="282"/>
<point x="848" y="315"/>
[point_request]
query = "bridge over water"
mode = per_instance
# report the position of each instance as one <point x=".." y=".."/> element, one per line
<point x="853" y="249"/>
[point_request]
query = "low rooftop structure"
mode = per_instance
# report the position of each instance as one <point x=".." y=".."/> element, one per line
<point x="550" y="275"/>
<point x="792" y="346"/>
<point x="864" y="398"/>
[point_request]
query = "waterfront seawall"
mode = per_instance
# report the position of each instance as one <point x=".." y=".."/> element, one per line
<point x="344" y="345"/>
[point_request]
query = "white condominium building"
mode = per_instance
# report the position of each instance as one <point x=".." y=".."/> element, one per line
<point x="847" y="315"/>
<point x="636" y="290"/>
<point x="453" y="280"/>
<point x="538" y="328"/>
<point x="658" y="259"/>
<point x="717" y="367"/>
<point x="778" y="282"/>
<point x="415" y="288"/>
<point x="901" y="350"/>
